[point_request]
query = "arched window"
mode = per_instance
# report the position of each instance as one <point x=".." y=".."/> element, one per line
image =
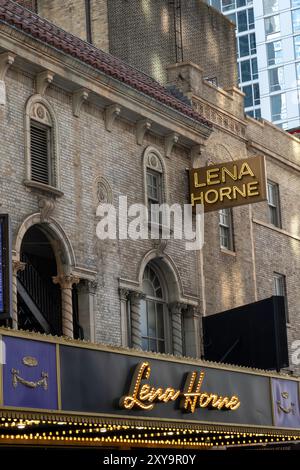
<point x="155" y="184"/>
<point x="153" y="313"/>
<point x="41" y="144"/>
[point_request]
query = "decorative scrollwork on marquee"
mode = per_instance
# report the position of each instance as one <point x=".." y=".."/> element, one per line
<point x="43" y="382"/>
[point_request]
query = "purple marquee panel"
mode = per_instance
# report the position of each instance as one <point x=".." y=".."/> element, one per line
<point x="29" y="375"/>
<point x="286" y="403"/>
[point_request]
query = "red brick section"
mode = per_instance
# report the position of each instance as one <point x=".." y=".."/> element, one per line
<point x="30" y="23"/>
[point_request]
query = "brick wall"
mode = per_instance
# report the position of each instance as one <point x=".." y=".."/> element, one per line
<point x="88" y="151"/>
<point x="142" y="33"/>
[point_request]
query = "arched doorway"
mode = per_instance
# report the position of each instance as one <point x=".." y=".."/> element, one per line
<point x="39" y="299"/>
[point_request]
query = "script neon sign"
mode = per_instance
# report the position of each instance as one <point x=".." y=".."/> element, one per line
<point x="144" y="396"/>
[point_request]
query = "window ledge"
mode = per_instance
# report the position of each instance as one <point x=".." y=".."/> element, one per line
<point x="45" y="188"/>
<point x="276" y="229"/>
<point x="228" y="252"/>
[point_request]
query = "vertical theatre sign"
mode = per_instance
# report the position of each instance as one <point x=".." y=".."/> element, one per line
<point x="229" y="184"/>
<point x="5" y="268"/>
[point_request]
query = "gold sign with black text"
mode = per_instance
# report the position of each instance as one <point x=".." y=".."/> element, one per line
<point x="229" y="184"/>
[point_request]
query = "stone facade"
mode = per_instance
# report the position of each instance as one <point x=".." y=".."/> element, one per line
<point x="93" y="151"/>
<point x="261" y="249"/>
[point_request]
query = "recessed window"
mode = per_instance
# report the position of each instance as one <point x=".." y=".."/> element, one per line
<point x="40" y="149"/>
<point x="154" y="193"/>
<point x="279" y="288"/>
<point x="274" y="204"/>
<point x="250" y="18"/>
<point x="154" y="184"/>
<point x="252" y="43"/>
<point x="297" y="46"/>
<point x="248" y="90"/>
<point x="226" y="229"/>
<point x="246" y="71"/>
<point x="278" y="107"/>
<point x="228" y="4"/>
<point x="270" y="6"/>
<point x="254" y="69"/>
<point x="242" y="21"/>
<point x="153" y="313"/>
<point x="276" y="79"/>
<point x="296" y="20"/>
<point x="272" y="25"/>
<point x="244" y="45"/>
<point x="274" y="52"/>
<point x="249" y="71"/>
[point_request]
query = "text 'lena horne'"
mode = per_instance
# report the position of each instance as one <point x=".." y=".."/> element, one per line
<point x="144" y="396"/>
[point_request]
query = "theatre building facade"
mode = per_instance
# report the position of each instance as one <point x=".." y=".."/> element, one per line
<point x="103" y="340"/>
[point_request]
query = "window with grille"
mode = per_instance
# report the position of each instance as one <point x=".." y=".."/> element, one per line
<point x="273" y="202"/>
<point x="40" y="148"/>
<point x="279" y="288"/>
<point x="226" y="229"/>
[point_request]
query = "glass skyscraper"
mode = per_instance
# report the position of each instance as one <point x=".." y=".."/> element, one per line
<point x="268" y="55"/>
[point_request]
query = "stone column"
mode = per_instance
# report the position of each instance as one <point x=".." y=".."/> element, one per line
<point x="135" y="318"/>
<point x="86" y="306"/>
<point x="124" y="296"/>
<point x="176" y="316"/>
<point x="191" y="321"/>
<point x="17" y="266"/>
<point x="66" y="282"/>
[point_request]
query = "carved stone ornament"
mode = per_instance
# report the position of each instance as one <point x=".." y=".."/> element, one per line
<point x="154" y="162"/>
<point x="40" y="113"/>
<point x="160" y="245"/>
<point x="103" y="191"/>
<point x="46" y="206"/>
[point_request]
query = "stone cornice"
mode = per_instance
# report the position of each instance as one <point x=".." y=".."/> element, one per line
<point x="82" y="75"/>
<point x="220" y="119"/>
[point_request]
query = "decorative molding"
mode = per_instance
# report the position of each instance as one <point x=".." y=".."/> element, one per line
<point x="43" y="80"/>
<point x="135" y="316"/>
<point x="6" y="60"/>
<point x="142" y="127"/>
<point x="154" y="161"/>
<point x="43" y="188"/>
<point x="88" y="287"/>
<point x="219" y="118"/>
<point x="176" y="308"/>
<point x="170" y="141"/>
<point x="66" y="281"/>
<point x="196" y="151"/>
<point x="124" y="294"/>
<point x="40" y="113"/>
<point x="160" y="245"/>
<point x="79" y="97"/>
<point x="46" y="206"/>
<point x="18" y="266"/>
<point x="103" y="193"/>
<point x="110" y="114"/>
